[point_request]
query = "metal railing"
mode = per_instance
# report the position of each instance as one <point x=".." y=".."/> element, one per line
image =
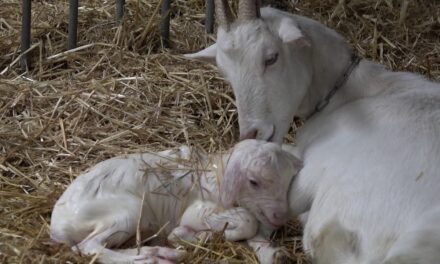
<point x="73" y="24"/>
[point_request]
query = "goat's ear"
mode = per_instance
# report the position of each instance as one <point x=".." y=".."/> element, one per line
<point x="292" y="160"/>
<point x="298" y="163"/>
<point x="206" y="55"/>
<point x="291" y="34"/>
<point x="231" y="184"/>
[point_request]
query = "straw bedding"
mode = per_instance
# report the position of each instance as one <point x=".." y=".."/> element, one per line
<point x="121" y="92"/>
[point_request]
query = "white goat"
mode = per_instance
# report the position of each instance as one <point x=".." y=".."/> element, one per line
<point x="370" y="146"/>
<point x="102" y="207"/>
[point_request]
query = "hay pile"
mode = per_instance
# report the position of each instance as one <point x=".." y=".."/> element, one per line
<point x="123" y="93"/>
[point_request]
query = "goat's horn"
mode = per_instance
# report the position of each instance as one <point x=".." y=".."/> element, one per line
<point x="248" y="10"/>
<point x="223" y="13"/>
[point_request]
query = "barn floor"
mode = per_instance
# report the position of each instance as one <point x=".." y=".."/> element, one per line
<point x="121" y="92"/>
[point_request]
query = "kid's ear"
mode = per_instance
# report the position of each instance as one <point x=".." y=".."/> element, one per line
<point x="290" y="160"/>
<point x="231" y="183"/>
<point x="297" y="163"/>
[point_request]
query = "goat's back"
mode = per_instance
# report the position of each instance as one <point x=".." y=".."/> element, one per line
<point x="373" y="165"/>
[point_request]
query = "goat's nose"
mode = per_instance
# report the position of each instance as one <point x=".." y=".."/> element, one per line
<point x="250" y="134"/>
<point x="262" y="133"/>
<point x="278" y="219"/>
<point x="279" y="216"/>
<point x="281" y="213"/>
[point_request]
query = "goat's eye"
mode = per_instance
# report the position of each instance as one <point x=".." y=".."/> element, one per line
<point x="253" y="183"/>
<point x="271" y="60"/>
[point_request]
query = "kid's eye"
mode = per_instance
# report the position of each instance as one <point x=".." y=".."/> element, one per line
<point x="253" y="183"/>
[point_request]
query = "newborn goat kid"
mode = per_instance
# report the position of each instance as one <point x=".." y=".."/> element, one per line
<point x="102" y="208"/>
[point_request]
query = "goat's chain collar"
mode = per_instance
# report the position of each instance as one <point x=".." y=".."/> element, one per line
<point x="339" y="83"/>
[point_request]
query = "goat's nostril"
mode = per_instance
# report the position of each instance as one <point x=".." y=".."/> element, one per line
<point x="251" y="134"/>
<point x="279" y="216"/>
<point x="264" y="132"/>
<point x="270" y="138"/>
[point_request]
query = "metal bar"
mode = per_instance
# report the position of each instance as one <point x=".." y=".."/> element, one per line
<point x="73" y="24"/>
<point x="165" y="23"/>
<point x="209" y="21"/>
<point x="25" y="33"/>
<point x="119" y="10"/>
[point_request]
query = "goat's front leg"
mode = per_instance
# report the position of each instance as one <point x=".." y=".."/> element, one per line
<point x="237" y="223"/>
<point x="193" y="222"/>
<point x="265" y="251"/>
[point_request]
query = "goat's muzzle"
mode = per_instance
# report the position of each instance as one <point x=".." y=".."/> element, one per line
<point x="265" y="133"/>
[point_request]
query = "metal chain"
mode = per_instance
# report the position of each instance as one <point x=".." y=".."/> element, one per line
<point x="339" y="83"/>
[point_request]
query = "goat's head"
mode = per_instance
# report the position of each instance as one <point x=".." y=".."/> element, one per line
<point x="262" y="56"/>
<point x="257" y="177"/>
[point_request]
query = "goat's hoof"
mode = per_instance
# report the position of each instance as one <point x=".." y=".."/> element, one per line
<point x="281" y="256"/>
<point x="182" y="233"/>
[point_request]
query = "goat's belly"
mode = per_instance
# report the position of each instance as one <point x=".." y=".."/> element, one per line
<point x="375" y="182"/>
<point x="163" y="211"/>
<point x="373" y="166"/>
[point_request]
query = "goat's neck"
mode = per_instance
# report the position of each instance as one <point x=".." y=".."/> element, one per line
<point x="213" y="176"/>
<point x="329" y="58"/>
<point x="367" y="79"/>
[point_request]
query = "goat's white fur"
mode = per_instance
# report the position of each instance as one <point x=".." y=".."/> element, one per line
<point x="103" y="206"/>
<point x="371" y="176"/>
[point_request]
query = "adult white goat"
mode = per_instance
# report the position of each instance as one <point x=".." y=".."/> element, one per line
<point x="370" y="146"/>
<point x="102" y="208"/>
